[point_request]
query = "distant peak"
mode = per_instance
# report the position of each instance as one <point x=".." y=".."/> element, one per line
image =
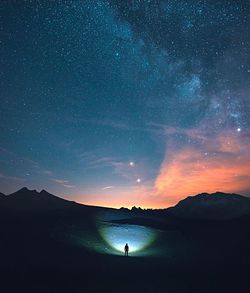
<point x="43" y="191"/>
<point x="46" y="193"/>
<point x="220" y="193"/>
<point x="26" y="189"/>
<point x="214" y="194"/>
<point x="26" y="199"/>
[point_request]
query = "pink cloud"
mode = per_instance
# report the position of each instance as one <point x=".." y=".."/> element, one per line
<point x="221" y="163"/>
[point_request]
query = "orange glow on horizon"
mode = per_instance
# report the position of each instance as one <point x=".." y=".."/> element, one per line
<point x="225" y="167"/>
<point x="217" y="163"/>
<point x="140" y="196"/>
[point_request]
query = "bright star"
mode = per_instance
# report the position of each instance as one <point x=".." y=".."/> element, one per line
<point x="131" y="164"/>
<point x="239" y="129"/>
<point x="138" y="180"/>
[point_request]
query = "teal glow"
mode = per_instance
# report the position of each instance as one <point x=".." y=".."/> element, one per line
<point x="138" y="237"/>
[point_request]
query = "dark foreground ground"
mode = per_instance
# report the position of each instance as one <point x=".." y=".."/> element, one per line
<point x="43" y="253"/>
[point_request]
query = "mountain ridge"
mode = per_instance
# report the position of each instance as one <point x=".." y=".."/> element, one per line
<point x="218" y="205"/>
<point x="26" y="199"/>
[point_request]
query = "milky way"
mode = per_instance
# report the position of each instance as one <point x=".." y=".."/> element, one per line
<point x="87" y="87"/>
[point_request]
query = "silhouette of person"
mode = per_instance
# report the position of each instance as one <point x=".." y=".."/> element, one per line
<point x="126" y="249"/>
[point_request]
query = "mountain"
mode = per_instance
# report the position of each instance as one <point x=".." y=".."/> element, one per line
<point x="2" y="198"/>
<point x="25" y="199"/>
<point x="217" y="205"/>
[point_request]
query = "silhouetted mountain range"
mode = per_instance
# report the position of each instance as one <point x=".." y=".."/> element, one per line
<point x="25" y="199"/>
<point x="48" y="242"/>
<point x="217" y="205"/>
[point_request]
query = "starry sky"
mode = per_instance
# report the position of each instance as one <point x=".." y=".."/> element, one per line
<point x="123" y="103"/>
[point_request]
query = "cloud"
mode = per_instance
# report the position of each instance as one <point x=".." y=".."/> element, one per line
<point x="108" y="187"/>
<point x="64" y="183"/>
<point x="132" y="195"/>
<point x="100" y="162"/>
<point x="21" y="162"/>
<point x="118" y="167"/>
<point x="216" y="162"/>
<point x="12" y="178"/>
<point x="69" y="186"/>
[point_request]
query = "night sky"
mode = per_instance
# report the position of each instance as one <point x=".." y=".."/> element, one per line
<point x="122" y="103"/>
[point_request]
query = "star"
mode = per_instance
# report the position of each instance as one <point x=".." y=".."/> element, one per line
<point x="139" y="85"/>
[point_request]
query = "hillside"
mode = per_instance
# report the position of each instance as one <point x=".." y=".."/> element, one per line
<point x="25" y="199"/>
<point x="217" y="205"/>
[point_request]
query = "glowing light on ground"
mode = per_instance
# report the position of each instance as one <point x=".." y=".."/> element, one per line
<point x="137" y="237"/>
